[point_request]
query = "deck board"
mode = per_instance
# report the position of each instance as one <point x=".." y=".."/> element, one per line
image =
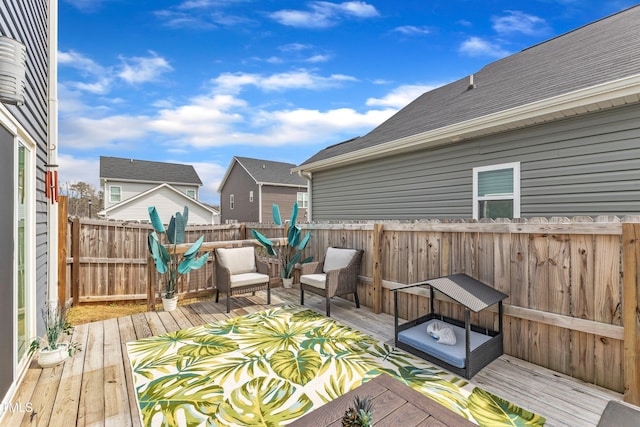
<point x="96" y="388"/>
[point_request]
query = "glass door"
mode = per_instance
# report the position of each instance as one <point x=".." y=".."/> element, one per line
<point x="24" y="319"/>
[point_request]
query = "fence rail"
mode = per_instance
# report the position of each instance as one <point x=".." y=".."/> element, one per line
<point x="564" y="279"/>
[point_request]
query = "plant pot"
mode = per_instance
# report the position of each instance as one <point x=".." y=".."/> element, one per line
<point x="50" y="358"/>
<point x="287" y="282"/>
<point x="170" y="304"/>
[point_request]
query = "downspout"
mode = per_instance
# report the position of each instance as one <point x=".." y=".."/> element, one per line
<point x="260" y="203"/>
<point x="308" y="177"/>
<point x="52" y="151"/>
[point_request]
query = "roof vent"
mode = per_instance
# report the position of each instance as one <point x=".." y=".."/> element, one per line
<point x="13" y="57"/>
<point x="472" y="85"/>
<point x="264" y="166"/>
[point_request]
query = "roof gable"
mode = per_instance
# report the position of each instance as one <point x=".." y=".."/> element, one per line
<point x="147" y="171"/>
<point x="603" y="51"/>
<point x="266" y="172"/>
<point x="158" y="189"/>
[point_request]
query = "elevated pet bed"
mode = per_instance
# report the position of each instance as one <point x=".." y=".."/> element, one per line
<point x="475" y="346"/>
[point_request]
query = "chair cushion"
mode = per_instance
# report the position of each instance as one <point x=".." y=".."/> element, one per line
<point x="337" y="258"/>
<point x="244" y="279"/>
<point x="315" y="280"/>
<point x="237" y="260"/>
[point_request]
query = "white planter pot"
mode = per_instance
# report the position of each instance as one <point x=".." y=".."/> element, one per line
<point x="169" y="304"/>
<point x="50" y="358"/>
<point x="287" y="283"/>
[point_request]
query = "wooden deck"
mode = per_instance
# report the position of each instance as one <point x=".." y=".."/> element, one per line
<point x="95" y="388"/>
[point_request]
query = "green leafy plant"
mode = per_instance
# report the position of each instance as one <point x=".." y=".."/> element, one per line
<point x="360" y="414"/>
<point x="56" y="326"/>
<point x="172" y="263"/>
<point x="291" y="253"/>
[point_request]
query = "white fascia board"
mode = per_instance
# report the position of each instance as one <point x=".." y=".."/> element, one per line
<point x="511" y="118"/>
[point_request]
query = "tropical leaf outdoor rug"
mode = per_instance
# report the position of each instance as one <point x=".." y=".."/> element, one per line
<point x="271" y="367"/>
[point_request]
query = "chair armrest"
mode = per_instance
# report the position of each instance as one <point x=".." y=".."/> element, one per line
<point x="311" y="268"/>
<point x="223" y="277"/>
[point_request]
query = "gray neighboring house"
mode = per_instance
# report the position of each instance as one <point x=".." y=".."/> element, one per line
<point x="130" y="186"/>
<point x="28" y="159"/>
<point x="250" y="187"/>
<point x="553" y="130"/>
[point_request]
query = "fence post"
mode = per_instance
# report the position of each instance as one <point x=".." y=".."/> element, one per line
<point x="63" y="222"/>
<point x="377" y="267"/>
<point x="75" y="267"/>
<point x="631" y="310"/>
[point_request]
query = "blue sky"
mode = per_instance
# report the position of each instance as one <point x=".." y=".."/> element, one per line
<point x="201" y="81"/>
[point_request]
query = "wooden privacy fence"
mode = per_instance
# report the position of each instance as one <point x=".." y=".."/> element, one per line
<point x="573" y="284"/>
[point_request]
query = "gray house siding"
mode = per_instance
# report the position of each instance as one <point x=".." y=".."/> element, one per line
<point x="26" y="21"/>
<point x="588" y="165"/>
<point x="239" y="183"/>
<point x="284" y="197"/>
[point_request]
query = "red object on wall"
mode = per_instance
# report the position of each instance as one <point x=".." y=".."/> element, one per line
<point x="51" y="186"/>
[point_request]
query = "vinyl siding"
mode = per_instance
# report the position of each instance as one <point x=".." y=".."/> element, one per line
<point x="26" y="21"/>
<point x="239" y="183"/>
<point x="132" y="189"/>
<point x="167" y="203"/>
<point x="587" y="165"/>
<point x="284" y="197"/>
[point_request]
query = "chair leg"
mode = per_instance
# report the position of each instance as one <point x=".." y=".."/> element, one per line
<point x="328" y="307"/>
<point x="217" y="295"/>
<point x="268" y="296"/>
<point x="228" y="303"/>
<point x="301" y="296"/>
<point x="355" y="297"/>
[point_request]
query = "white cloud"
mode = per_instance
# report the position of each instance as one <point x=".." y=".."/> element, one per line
<point x="73" y="169"/>
<point x="475" y="46"/>
<point x="412" y="30"/>
<point x="88" y="133"/>
<point x="300" y="79"/>
<point x="211" y="174"/>
<point x="143" y="69"/>
<point x="89" y="69"/>
<point x="519" y="22"/>
<point x="400" y="96"/>
<point x="86" y="6"/>
<point x="323" y="14"/>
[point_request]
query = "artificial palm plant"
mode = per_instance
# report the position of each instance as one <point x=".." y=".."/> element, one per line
<point x="291" y="253"/>
<point x="172" y="263"/>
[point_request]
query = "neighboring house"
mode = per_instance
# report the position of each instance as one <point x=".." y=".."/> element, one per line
<point x="28" y="161"/>
<point x="250" y="187"/>
<point x="553" y="130"/>
<point x="130" y="186"/>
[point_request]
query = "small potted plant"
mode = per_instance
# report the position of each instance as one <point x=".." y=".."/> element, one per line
<point x="52" y="347"/>
<point x="360" y="414"/>
<point x="290" y="254"/>
<point x="171" y="263"/>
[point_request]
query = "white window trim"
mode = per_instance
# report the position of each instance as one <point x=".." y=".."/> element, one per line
<point x="232" y="201"/>
<point x="191" y="193"/>
<point x="111" y="187"/>
<point x="251" y="196"/>
<point x="516" y="187"/>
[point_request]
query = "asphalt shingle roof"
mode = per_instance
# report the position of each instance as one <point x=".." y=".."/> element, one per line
<point x="600" y="52"/>
<point x="147" y="171"/>
<point x="267" y="171"/>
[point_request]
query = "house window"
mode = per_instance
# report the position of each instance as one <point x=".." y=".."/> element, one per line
<point x="232" y="201"/>
<point x="115" y="194"/>
<point x="303" y="200"/>
<point x="191" y="193"/>
<point x="251" y="196"/>
<point x="496" y="191"/>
